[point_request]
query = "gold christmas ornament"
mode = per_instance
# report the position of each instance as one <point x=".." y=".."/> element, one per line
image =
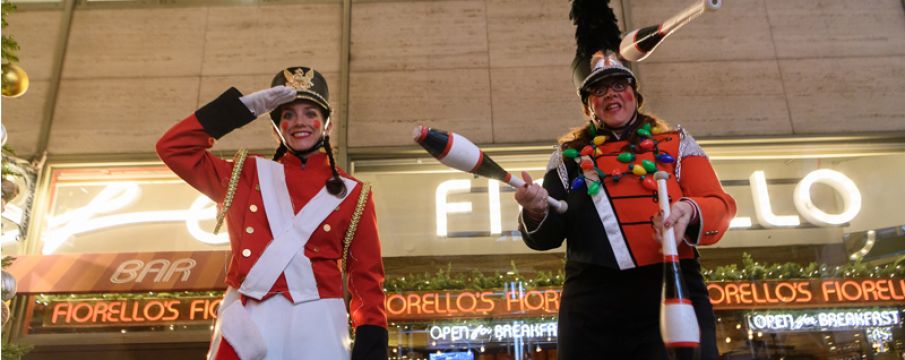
<point x="15" y="81"/>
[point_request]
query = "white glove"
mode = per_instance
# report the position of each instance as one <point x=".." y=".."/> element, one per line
<point x="265" y="101"/>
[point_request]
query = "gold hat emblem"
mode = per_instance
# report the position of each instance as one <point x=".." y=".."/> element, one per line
<point x="299" y="79"/>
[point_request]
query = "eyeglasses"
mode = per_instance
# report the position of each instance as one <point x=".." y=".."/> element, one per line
<point x="618" y="85"/>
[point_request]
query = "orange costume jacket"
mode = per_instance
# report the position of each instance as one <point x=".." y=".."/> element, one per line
<point x="184" y="149"/>
<point x="613" y="228"/>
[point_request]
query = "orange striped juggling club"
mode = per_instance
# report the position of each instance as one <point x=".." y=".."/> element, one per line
<point x="678" y="322"/>
<point x="457" y="152"/>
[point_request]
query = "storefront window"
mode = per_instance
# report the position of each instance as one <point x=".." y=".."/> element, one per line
<point x="847" y="333"/>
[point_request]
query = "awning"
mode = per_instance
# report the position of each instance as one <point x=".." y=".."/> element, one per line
<point x="120" y="272"/>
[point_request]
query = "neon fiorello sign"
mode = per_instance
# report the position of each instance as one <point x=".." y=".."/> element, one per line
<point x="763" y="209"/>
<point x="102" y="211"/>
<point x="830" y="320"/>
<point x="498" y="332"/>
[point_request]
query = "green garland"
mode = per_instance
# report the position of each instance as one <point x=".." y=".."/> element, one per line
<point x="15" y="351"/>
<point x="753" y="270"/>
<point x="10" y="50"/>
<point x="472" y="280"/>
<point x="18" y="171"/>
<point x="9" y="45"/>
<point x="8" y="169"/>
<point x="48" y="298"/>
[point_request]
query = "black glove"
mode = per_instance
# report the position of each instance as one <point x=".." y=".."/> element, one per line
<point x="371" y="343"/>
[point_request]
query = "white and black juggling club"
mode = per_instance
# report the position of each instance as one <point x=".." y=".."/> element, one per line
<point x="639" y="43"/>
<point x="678" y="322"/>
<point x="459" y="153"/>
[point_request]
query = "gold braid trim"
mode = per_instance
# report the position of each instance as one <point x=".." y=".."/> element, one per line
<point x="347" y="242"/>
<point x="238" y="162"/>
<point x="356" y="217"/>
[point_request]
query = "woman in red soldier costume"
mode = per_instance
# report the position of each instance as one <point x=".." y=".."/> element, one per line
<point x="291" y="221"/>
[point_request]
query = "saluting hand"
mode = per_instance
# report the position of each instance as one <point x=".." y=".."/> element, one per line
<point x="532" y="197"/>
<point x="265" y="101"/>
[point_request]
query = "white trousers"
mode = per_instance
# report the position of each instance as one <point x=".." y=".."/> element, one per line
<point x="317" y="329"/>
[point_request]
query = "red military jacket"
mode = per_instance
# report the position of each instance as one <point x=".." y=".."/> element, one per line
<point x="184" y="150"/>
<point x="630" y="241"/>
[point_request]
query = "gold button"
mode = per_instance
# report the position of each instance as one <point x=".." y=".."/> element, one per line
<point x="317" y="249"/>
<point x="249" y="229"/>
<point x="258" y="187"/>
<point x="253" y="208"/>
<point x="337" y="209"/>
<point x="246" y="253"/>
<point x="327" y="227"/>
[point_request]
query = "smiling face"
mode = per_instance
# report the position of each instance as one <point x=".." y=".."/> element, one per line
<point x="302" y="124"/>
<point x="614" y="102"/>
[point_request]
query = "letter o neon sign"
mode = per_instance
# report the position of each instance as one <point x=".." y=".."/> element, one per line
<point x="846" y="188"/>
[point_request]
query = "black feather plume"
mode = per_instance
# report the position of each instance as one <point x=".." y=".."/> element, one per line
<point x="595" y="29"/>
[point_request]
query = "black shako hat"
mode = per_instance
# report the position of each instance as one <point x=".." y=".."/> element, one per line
<point x="597" y="39"/>
<point x="309" y="85"/>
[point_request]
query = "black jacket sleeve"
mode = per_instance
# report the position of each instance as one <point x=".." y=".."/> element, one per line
<point x="226" y="113"/>
<point x="550" y="232"/>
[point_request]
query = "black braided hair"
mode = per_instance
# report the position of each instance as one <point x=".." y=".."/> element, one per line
<point x="335" y="184"/>
<point x="280" y="152"/>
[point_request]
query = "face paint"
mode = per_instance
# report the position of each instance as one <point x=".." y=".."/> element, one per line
<point x="614" y="108"/>
<point x="301" y="125"/>
<point x="630" y="96"/>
